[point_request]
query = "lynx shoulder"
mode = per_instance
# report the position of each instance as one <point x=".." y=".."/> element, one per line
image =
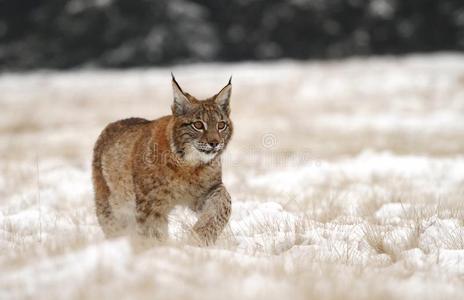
<point x="141" y="169"/>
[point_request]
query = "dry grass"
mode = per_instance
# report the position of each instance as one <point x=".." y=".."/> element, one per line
<point x="346" y="177"/>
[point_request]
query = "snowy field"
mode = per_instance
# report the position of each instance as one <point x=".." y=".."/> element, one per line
<point x="347" y="180"/>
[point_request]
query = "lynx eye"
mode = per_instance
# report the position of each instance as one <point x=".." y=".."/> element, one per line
<point x="198" y="125"/>
<point x="221" y="125"/>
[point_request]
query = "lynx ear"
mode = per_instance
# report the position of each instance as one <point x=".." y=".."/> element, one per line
<point x="223" y="97"/>
<point x="181" y="103"/>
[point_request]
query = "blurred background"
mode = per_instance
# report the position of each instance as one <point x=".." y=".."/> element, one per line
<point x="65" y="34"/>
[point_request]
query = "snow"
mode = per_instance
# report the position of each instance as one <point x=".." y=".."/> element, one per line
<point x="452" y="260"/>
<point x="353" y="190"/>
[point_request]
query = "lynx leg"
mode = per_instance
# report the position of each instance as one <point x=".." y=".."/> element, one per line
<point x="108" y="223"/>
<point x="105" y="216"/>
<point x="152" y="221"/>
<point x="213" y="215"/>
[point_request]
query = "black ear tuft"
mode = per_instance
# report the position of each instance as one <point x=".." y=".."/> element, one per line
<point x="174" y="81"/>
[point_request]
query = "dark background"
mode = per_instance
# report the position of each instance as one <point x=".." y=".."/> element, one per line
<point x="127" y="33"/>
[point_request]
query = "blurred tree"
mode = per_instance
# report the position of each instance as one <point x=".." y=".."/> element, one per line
<point x="125" y="33"/>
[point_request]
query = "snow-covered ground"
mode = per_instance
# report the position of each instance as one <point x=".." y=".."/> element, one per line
<point x="347" y="181"/>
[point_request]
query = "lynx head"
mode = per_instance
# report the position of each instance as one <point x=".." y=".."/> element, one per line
<point x="201" y="128"/>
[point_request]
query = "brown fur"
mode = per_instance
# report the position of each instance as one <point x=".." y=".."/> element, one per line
<point x="142" y="169"/>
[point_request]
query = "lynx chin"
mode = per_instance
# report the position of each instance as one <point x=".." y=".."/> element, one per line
<point x="141" y="169"/>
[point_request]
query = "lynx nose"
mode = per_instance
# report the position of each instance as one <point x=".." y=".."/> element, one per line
<point x="213" y="144"/>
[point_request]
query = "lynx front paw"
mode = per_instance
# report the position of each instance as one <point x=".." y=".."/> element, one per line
<point x="205" y="235"/>
<point x="214" y="215"/>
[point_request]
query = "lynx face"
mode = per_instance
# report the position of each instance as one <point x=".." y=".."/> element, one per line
<point x="202" y="129"/>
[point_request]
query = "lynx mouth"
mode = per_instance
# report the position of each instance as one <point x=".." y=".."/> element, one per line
<point x="206" y="149"/>
<point x="210" y="151"/>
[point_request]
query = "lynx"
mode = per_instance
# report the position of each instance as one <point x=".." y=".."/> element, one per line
<point x="141" y="169"/>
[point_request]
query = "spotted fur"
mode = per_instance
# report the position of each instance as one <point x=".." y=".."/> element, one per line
<point x="141" y="169"/>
